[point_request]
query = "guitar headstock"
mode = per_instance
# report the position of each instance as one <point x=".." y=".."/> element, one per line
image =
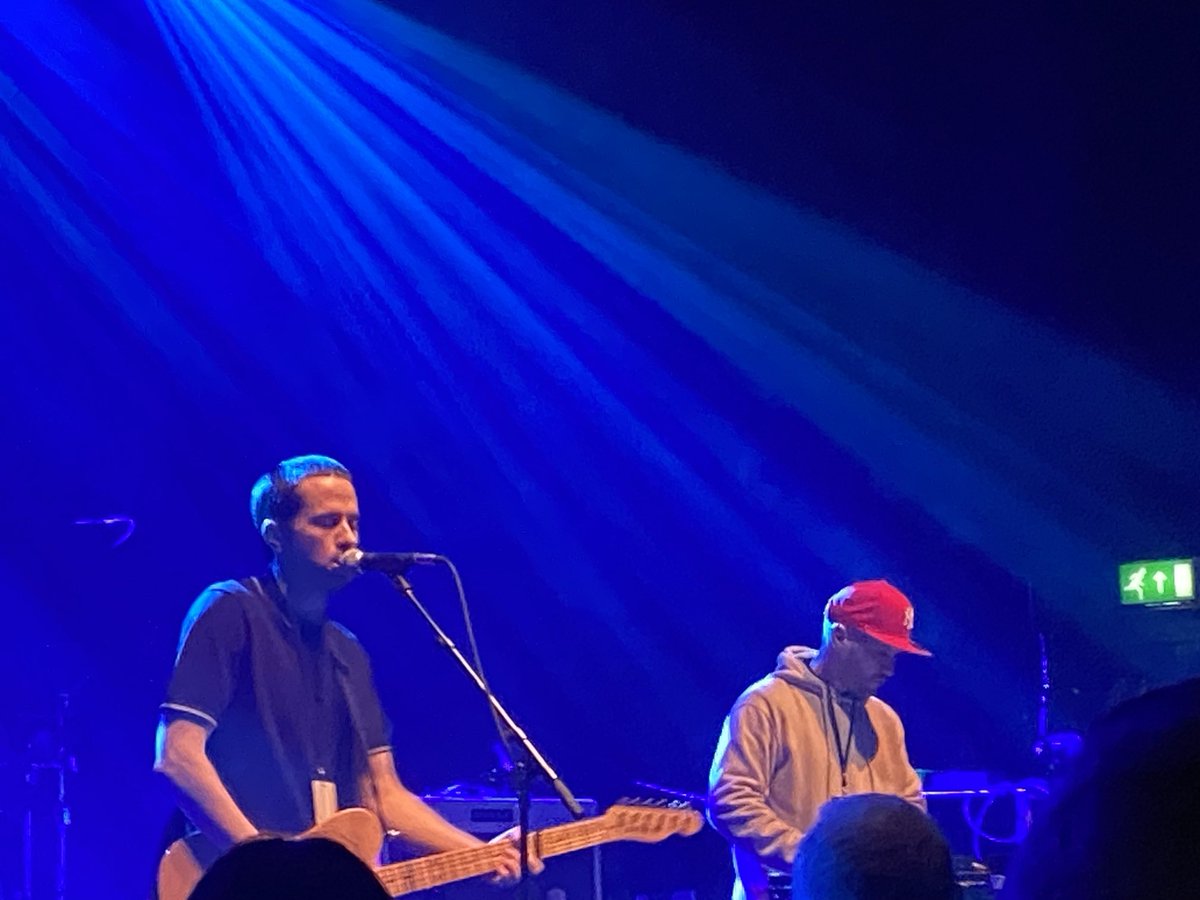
<point x="651" y="821"/>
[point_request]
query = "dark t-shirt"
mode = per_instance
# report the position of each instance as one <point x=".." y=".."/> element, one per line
<point x="286" y="704"/>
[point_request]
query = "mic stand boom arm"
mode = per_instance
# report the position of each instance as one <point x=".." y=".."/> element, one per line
<point x="522" y="781"/>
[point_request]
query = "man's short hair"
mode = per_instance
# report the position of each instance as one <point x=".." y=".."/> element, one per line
<point x="274" y="494"/>
<point x="873" y="847"/>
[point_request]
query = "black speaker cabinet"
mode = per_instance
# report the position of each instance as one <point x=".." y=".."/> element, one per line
<point x="572" y="876"/>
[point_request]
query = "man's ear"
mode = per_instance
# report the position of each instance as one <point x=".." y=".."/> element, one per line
<point x="270" y="534"/>
<point x="839" y="633"/>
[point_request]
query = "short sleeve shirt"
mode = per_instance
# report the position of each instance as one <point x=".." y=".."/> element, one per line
<point x="286" y="704"/>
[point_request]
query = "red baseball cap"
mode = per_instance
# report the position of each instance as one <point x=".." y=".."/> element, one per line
<point x="878" y="609"/>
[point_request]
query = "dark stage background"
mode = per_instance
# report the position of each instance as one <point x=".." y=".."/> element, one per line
<point x="664" y="320"/>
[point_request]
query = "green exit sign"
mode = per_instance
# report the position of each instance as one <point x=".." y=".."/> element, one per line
<point x="1152" y="581"/>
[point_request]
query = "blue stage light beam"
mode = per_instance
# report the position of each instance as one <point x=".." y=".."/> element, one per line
<point x="379" y="162"/>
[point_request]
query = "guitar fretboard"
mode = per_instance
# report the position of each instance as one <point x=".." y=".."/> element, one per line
<point x="455" y="865"/>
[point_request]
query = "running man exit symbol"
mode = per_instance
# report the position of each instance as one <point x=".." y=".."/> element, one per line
<point x="1157" y="581"/>
<point x="1137" y="582"/>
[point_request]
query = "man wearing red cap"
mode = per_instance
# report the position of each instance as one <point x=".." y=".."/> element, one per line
<point x="813" y="730"/>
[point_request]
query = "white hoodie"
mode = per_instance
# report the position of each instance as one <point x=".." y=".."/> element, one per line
<point x="777" y="762"/>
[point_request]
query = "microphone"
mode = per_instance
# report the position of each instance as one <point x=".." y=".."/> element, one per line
<point x="390" y="563"/>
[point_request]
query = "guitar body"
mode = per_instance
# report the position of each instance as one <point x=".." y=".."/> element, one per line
<point x="186" y="860"/>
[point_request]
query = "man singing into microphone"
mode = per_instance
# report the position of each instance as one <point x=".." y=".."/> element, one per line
<point x="271" y="720"/>
<point x="811" y="731"/>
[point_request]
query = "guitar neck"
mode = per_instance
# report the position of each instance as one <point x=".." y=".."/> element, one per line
<point x="455" y="865"/>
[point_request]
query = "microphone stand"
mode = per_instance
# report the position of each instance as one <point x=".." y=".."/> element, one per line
<point x="521" y="774"/>
<point x="50" y="764"/>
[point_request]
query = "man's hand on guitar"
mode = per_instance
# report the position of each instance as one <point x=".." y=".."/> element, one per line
<point x="508" y="872"/>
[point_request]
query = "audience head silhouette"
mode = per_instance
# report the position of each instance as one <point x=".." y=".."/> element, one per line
<point x="873" y="847"/>
<point x="277" y="869"/>
<point x="1125" y="822"/>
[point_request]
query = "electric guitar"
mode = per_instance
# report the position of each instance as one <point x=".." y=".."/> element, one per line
<point x="359" y="831"/>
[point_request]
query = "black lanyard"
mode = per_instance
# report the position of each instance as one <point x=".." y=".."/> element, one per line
<point x="314" y="658"/>
<point x="318" y="671"/>
<point x="843" y="751"/>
